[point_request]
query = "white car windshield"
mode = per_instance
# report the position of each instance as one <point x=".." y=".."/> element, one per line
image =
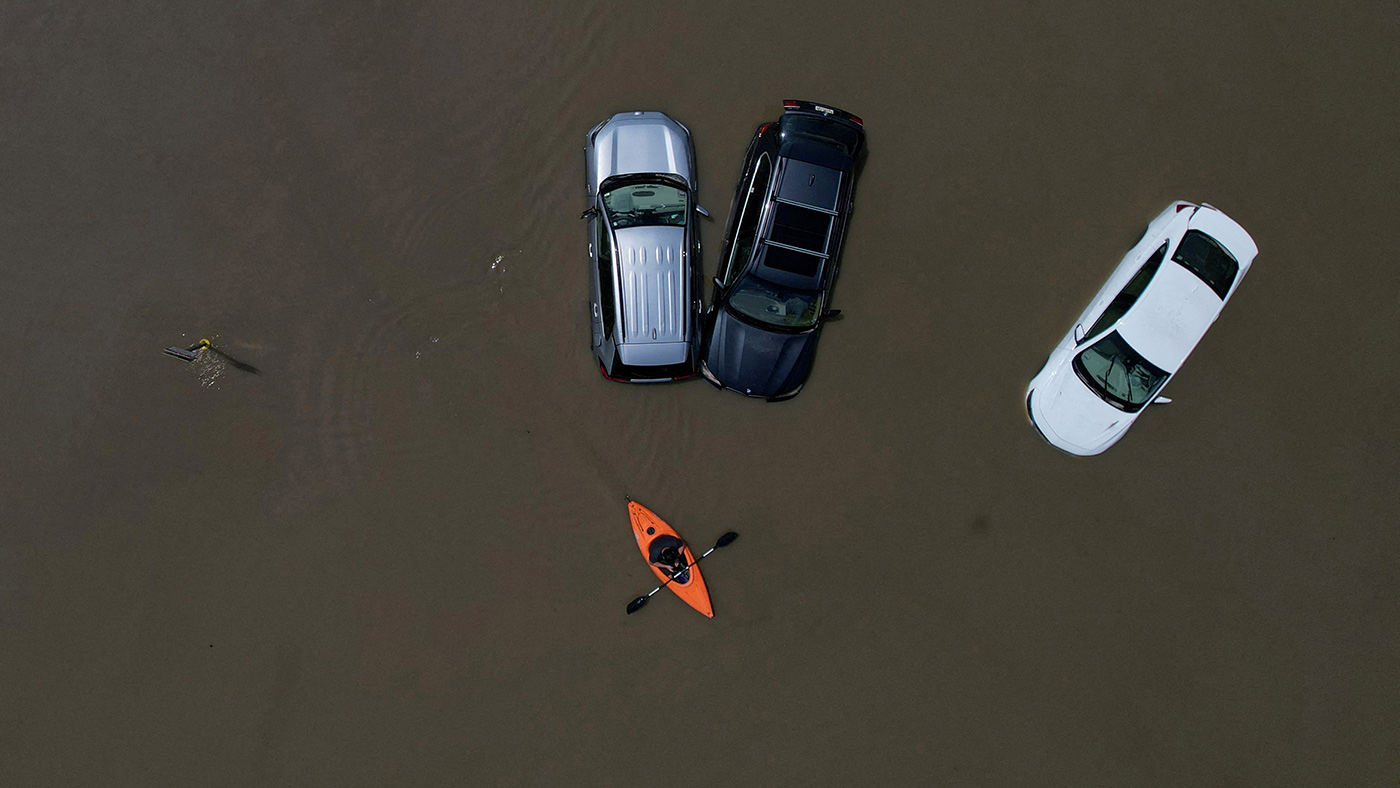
<point x="645" y="205"/>
<point x="1115" y="372"/>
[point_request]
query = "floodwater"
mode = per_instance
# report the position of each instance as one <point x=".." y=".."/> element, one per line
<point x="400" y="555"/>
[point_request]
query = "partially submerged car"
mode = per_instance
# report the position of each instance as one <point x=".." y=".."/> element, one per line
<point x="644" y="246"/>
<point x="1139" y="329"/>
<point x="781" y="252"/>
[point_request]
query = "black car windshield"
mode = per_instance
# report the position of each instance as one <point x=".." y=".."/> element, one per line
<point x="645" y="205"/>
<point x="797" y="128"/>
<point x="768" y="303"/>
<point x="1115" y="372"/>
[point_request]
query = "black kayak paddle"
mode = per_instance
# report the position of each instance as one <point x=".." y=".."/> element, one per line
<point x="639" y="602"/>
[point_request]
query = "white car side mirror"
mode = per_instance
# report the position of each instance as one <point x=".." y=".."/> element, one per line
<point x="1161" y="401"/>
<point x="1079" y="333"/>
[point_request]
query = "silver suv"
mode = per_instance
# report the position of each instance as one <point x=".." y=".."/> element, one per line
<point x="644" y="243"/>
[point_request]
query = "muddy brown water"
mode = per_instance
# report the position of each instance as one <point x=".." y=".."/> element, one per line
<point x="400" y="555"/>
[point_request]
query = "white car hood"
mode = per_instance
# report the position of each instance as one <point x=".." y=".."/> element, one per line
<point x="642" y="144"/>
<point x="1073" y="417"/>
<point x="1171" y="316"/>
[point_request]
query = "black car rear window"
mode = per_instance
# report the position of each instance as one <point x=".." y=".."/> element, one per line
<point x="805" y="128"/>
<point x="1206" y="258"/>
<point x="801" y="227"/>
<point x="791" y="261"/>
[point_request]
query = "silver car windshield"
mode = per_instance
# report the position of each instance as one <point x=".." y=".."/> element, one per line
<point x="767" y="303"/>
<point x="1115" y="372"/>
<point x="645" y="205"/>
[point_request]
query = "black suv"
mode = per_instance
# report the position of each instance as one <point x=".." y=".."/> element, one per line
<point x="781" y="251"/>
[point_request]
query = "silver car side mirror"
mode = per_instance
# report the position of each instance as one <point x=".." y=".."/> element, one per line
<point x="700" y="209"/>
<point x="1161" y="401"/>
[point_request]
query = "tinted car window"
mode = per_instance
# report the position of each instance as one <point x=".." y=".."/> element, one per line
<point x="776" y="306"/>
<point x="1124" y="301"/>
<point x="1115" y="372"/>
<point x="645" y="205"/>
<point x="748" y="219"/>
<point x="791" y="261"/>
<point x="801" y="227"/>
<point x="603" y="243"/>
<point x="1206" y="258"/>
<point x="799" y="128"/>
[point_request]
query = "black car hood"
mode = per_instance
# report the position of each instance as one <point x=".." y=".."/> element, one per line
<point x="757" y="362"/>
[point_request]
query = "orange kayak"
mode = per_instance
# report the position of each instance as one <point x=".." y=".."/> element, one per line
<point x="653" y="536"/>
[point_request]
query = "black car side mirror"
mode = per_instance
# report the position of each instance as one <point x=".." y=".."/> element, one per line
<point x="588" y="214"/>
<point x="718" y="284"/>
<point x="831" y="314"/>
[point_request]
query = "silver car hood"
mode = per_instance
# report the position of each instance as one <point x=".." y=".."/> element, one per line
<point x="655" y="291"/>
<point x="641" y="142"/>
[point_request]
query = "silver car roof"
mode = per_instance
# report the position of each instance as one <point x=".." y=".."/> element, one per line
<point x="653" y="290"/>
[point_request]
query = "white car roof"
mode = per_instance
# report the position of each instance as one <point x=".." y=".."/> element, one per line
<point x="1171" y="316"/>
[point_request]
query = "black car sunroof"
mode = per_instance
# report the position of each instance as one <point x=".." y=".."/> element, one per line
<point x="804" y="228"/>
<point x="791" y="261"/>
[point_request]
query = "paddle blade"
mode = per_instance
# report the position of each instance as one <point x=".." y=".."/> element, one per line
<point x="636" y="604"/>
<point x="728" y="537"/>
<point x="183" y="355"/>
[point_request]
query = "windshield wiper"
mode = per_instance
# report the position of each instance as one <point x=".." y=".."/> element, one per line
<point x="1116" y="401"/>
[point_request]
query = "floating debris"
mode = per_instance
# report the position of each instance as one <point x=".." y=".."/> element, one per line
<point x="212" y="362"/>
<point x="190" y="353"/>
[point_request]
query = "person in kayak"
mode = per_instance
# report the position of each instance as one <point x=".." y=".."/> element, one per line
<point x="665" y="554"/>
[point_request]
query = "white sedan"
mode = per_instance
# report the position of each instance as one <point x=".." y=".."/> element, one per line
<point x="1140" y="327"/>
